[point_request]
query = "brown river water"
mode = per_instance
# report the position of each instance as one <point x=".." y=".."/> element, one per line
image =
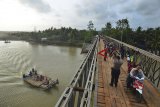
<point x="19" y="57"/>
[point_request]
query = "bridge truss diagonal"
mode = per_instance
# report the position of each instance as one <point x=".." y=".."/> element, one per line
<point x="79" y="91"/>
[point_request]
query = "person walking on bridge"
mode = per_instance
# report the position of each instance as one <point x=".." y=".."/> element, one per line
<point x="122" y="51"/>
<point x="115" y="70"/>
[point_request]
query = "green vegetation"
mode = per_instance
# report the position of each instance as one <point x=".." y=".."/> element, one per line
<point x="62" y="36"/>
<point x="147" y="39"/>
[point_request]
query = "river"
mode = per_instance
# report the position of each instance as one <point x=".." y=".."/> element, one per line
<point x="19" y="57"/>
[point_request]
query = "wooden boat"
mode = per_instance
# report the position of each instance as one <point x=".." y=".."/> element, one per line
<point x="40" y="81"/>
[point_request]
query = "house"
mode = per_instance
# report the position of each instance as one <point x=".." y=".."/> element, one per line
<point x="43" y="39"/>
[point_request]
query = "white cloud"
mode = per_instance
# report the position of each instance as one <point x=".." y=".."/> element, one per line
<point x="38" y="5"/>
<point x="25" y="14"/>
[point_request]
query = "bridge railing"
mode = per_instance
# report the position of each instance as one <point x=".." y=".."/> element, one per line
<point x="78" y="93"/>
<point x="150" y="62"/>
<point x="86" y="98"/>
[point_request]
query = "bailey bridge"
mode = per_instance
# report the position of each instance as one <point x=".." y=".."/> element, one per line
<point x="89" y="87"/>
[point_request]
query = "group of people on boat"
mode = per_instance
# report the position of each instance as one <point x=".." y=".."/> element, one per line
<point x="36" y="77"/>
<point x="33" y="72"/>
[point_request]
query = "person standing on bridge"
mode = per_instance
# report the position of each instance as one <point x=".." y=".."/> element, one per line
<point x="122" y="51"/>
<point x="106" y="49"/>
<point x="115" y="70"/>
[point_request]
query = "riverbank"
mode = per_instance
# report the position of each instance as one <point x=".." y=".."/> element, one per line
<point x="38" y="40"/>
<point x="48" y="42"/>
<point x="56" y="43"/>
<point x="60" y="43"/>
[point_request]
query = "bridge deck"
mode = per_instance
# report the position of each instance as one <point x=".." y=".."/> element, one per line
<point x="108" y="96"/>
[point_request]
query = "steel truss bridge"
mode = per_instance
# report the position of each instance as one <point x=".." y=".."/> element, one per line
<point x="82" y="90"/>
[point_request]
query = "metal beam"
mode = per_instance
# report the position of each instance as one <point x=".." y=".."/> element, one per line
<point x="83" y="79"/>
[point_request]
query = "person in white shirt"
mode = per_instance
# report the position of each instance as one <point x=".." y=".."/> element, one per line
<point x="136" y="73"/>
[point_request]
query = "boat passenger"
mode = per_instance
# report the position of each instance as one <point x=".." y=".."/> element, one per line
<point x="32" y="69"/>
<point x="57" y="81"/>
<point x="30" y="73"/>
<point x="37" y="78"/>
<point x="41" y="77"/>
<point x="35" y="72"/>
<point x="24" y="76"/>
<point x="46" y="81"/>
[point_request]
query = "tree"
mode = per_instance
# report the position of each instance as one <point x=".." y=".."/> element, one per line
<point x="108" y="28"/>
<point x="122" y="24"/>
<point x="72" y="35"/>
<point x="90" y="25"/>
<point x="90" y="33"/>
<point x="123" y="27"/>
<point x="139" y="29"/>
<point x="155" y="42"/>
<point x="108" y="25"/>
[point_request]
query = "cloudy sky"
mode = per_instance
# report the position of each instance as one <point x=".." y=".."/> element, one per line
<point x="25" y="15"/>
